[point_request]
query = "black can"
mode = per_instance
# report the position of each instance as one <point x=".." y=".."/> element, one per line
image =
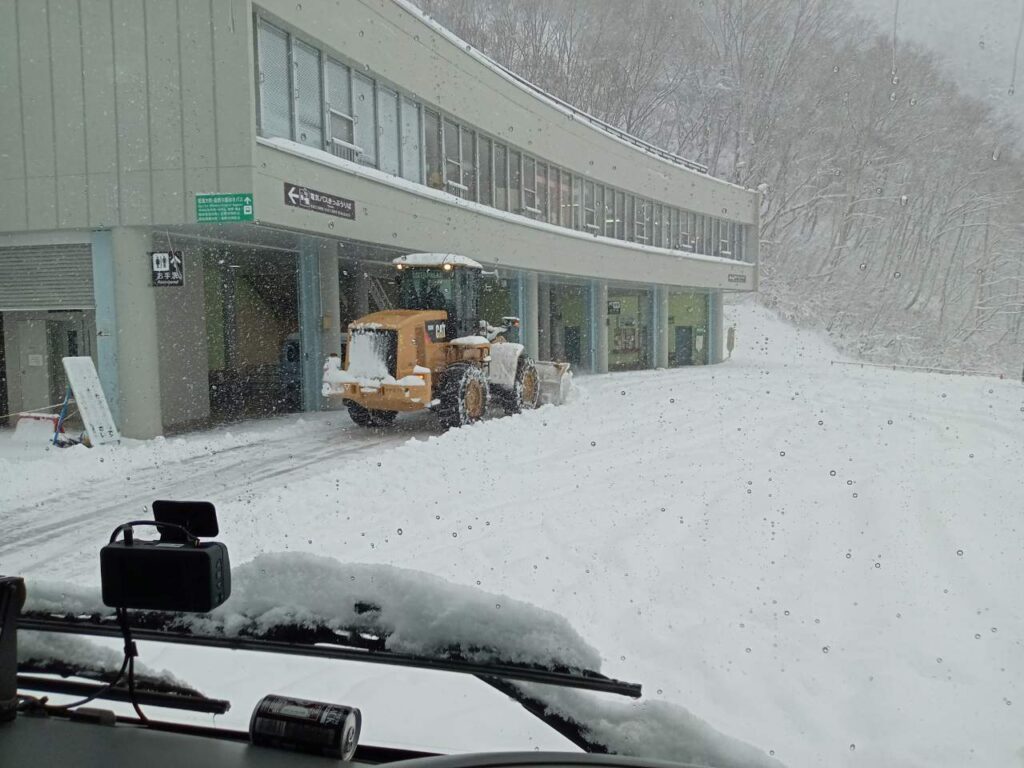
<point x="301" y="725"/>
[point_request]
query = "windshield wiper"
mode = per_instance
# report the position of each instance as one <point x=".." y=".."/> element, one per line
<point x="193" y="702"/>
<point x="354" y="644"/>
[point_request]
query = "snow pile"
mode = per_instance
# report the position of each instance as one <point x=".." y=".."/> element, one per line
<point x="420" y="613"/>
<point x="367" y="355"/>
<point x="436" y="260"/>
<point x="470" y="341"/>
<point x="650" y="729"/>
<point x="77" y="656"/>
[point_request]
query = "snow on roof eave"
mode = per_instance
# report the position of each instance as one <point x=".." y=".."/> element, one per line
<point x="436" y="260"/>
<point x="634" y="142"/>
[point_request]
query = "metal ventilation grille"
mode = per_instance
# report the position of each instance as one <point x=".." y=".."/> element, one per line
<point x="46" y="277"/>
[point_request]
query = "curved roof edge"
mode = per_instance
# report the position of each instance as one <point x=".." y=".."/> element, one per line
<point x="563" y="106"/>
<point x="436" y="260"/>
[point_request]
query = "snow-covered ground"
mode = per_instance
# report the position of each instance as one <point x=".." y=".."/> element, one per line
<point x="821" y="560"/>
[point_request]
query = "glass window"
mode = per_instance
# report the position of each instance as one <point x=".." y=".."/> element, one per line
<point x="412" y="166"/>
<point x="339" y="110"/>
<point x="469" y="163"/>
<point x="542" y="191"/>
<point x="365" y="114"/>
<point x="515" y="179"/>
<point x="589" y="220"/>
<point x="620" y="215"/>
<point x="656" y="223"/>
<point x="387" y="118"/>
<point x="609" y="212"/>
<point x="275" y="103"/>
<point x="630" y="218"/>
<point x="453" y="158"/>
<point x="309" y="100"/>
<point x="565" y="208"/>
<point x="500" y="177"/>
<point x="486" y="172"/>
<point x="432" y="149"/>
<point x="599" y="209"/>
<point x="530" y="185"/>
<point x="648" y="211"/>
<point x="577" y="202"/>
<point x="554" y="187"/>
<point x="666" y="226"/>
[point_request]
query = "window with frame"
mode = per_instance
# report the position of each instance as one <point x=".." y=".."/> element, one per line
<point x="542" y="191"/>
<point x="452" y="158"/>
<point x="640" y="220"/>
<point x="530" y="186"/>
<point x="468" y="139"/>
<point x="275" y="96"/>
<point x="609" y="212"/>
<point x="515" y="181"/>
<point x="388" y="142"/>
<point x="565" y="200"/>
<point x="656" y="225"/>
<point x="630" y="218"/>
<point x="554" y="192"/>
<point x="432" y="155"/>
<point x="340" y="127"/>
<point x="365" y="116"/>
<point x="501" y="177"/>
<point x="308" y="93"/>
<point x="589" y="213"/>
<point x="486" y="171"/>
<point x="598" y="209"/>
<point x="620" y="215"/>
<point x="577" y="202"/>
<point x="412" y="164"/>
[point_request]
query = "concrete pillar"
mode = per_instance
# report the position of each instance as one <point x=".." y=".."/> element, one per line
<point x="544" y="320"/>
<point x="660" y="325"/>
<point x="106" y="319"/>
<point x="310" y="322"/>
<point x="136" y="337"/>
<point x="530" y="335"/>
<point x="715" y="340"/>
<point x="599" y="325"/>
<point x="330" y="293"/>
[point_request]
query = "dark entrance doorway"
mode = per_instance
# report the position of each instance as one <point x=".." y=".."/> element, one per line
<point x="684" y="345"/>
<point x="252" y="329"/>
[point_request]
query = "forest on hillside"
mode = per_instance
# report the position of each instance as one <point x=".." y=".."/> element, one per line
<point x="891" y="199"/>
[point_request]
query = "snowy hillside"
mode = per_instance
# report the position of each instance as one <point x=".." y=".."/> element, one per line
<point x="818" y="559"/>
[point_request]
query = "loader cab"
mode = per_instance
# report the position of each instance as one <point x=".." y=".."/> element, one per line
<point x="453" y="288"/>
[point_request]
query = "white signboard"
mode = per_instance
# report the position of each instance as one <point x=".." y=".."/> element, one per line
<point x="92" y="405"/>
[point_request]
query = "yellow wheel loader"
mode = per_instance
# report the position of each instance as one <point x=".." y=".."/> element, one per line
<point x="436" y="352"/>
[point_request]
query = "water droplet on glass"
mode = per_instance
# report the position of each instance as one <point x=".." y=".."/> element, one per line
<point x="832" y="473"/>
<point x="878" y="565"/>
<point x="782" y="453"/>
<point x="853" y="747"/>
<point x="748" y="650"/>
<point x="848" y="555"/>
<point x="897" y="275"/>
<point x="863" y="266"/>
<point x="959" y="553"/>
<point x="399" y="531"/>
<point x="824" y="649"/>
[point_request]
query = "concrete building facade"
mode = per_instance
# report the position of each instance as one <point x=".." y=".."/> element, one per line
<point x="281" y="154"/>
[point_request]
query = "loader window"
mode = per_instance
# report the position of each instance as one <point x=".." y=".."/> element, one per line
<point x="427" y="289"/>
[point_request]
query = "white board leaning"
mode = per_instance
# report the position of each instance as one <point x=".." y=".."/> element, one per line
<point x="92" y="404"/>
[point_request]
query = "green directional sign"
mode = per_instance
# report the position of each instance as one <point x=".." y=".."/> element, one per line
<point x="224" y="207"/>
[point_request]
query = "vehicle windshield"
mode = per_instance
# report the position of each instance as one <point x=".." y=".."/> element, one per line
<point x="427" y="289"/>
<point x="716" y="456"/>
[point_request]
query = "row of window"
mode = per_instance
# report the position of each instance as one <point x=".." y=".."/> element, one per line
<point x="313" y="98"/>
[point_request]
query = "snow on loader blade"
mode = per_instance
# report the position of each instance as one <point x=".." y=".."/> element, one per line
<point x="555" y="381"/>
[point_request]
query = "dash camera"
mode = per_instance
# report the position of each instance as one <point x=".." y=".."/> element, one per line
<point x="176" y="572"/>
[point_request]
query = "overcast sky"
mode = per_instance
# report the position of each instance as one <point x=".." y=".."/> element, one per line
<point x="976" y="38"/>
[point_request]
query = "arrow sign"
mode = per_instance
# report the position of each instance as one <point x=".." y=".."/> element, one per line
<point x="308" y="199"/>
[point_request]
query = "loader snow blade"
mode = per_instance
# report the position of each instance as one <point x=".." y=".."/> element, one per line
<point x="555" y="381"/>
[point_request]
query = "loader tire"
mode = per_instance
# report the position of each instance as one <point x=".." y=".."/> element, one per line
<point x="525" y="392"/>
<point x="366" y="417"/>
<point x="464" y="396"/>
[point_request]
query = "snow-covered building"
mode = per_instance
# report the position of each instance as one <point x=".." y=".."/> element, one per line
<point x="202" y="195"/>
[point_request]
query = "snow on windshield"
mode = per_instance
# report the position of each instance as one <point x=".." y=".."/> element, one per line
<point x="421" y="613"/>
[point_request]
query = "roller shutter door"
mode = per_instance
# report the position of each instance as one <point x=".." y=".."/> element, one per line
<point x="46" y="277"/>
